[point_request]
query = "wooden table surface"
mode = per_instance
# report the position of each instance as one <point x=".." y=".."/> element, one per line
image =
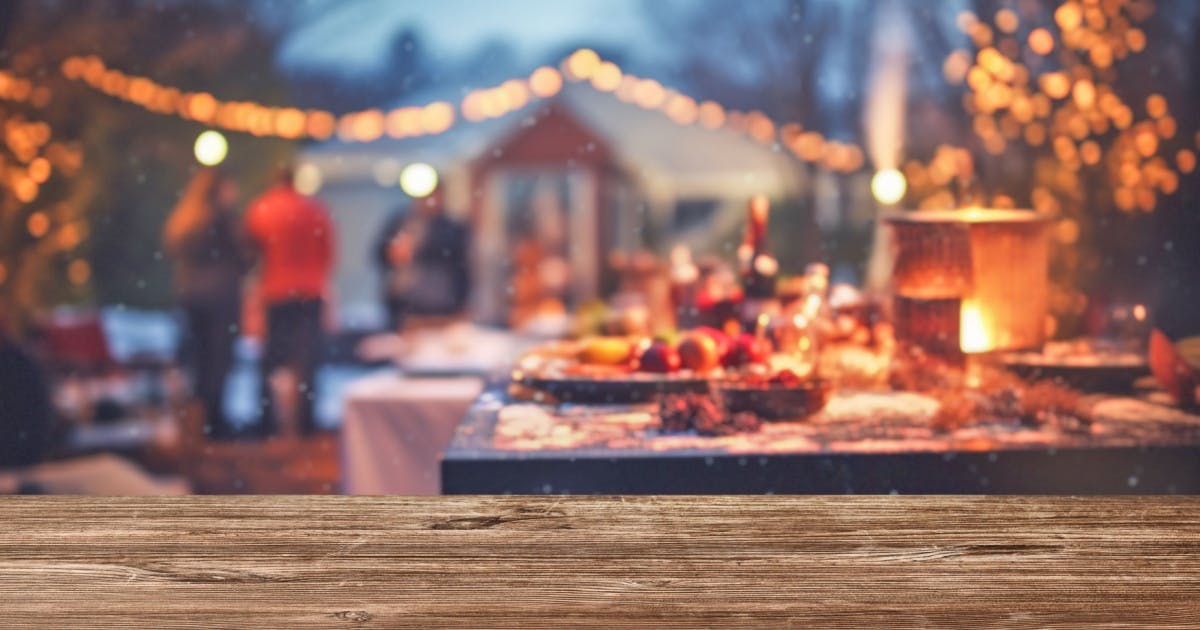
<point x="844" y="562"/>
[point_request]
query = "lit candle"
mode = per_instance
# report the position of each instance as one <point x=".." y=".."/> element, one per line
<point x="974" y="339"/>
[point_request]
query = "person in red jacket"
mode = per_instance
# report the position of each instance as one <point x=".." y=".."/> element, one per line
<point x="294" y="238"/>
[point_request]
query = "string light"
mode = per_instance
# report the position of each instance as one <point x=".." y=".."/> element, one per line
<point x="583" y="66"/>
<point x="1069" y="108"/>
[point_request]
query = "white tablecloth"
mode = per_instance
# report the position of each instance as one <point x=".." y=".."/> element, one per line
<point x="395" y="429"/>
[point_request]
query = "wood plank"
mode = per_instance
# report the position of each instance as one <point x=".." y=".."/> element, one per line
<point x="553" y="562"/>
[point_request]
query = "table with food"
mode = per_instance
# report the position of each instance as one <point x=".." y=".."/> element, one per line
<point x="750" y="382"/>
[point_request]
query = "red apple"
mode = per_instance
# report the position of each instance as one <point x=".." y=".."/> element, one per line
<point x="747" y="349"/>
<point x="658" y="357"/>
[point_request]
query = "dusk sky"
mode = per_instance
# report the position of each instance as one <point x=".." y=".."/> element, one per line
<point x="357" y="32"/>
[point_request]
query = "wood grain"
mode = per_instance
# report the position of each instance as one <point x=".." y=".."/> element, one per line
<point x="841" y="562"/>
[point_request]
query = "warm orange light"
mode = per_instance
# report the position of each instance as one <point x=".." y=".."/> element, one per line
<point x="404" y="122"/>
<point x="72" y="67"/>
<point x="545" y="82"/>
<point x="1102" y="55"/>
<point x="1041" y="41"/>
<point x="582" y="64"/>
<point x="1166" y="127"/>
<point x="1156" y="105"/>
<point x="965" y="19"/>
<point x="517" y="93"/>
<point x="996" y="63"/>
<point x="1068" y="16"/>
<point x="167" y="100"/>
<point x="1146" y="142"/>
<point x="289" y="123"/>
<point x="39" y="170"/>
<point x="201" y="107"/>
<point x="472" y="110"/>
<point x="114" y="82"/>
<point x="955" y="67"/>
<point x="38" y="224"/>
<point x="606" y="77"/>
<point x="1090" y="153"/>
<point x="319" y="125"/>
<point x="974" y="336"/>
<point x="711" y="115"/>
<point x="1135" y="38"/>
<point x="26" y="190"/>
<point x="141" y="90"/>
<point x="981" y="34"/>
<point x="1006" y="20"/>
<point x="978" y="78"/>
<point x="367" y="126"/>
<point x="854" y="159"/>
<point x="760" y="127"/>
<point x="649" y="94"/>
<point x="70" y="236"/>
<point x="262" y="122"/>
<point x="1186" y="160"/>
<point x="810" y="146"/>
<point x="682" y="109"/>
<point x="1122" y="117"/>
<point x="1084" y="94"/>
<point x="437" y="117"/>
<point x="1056" y="85"/>
<point x="79" y="271"/>
<point x="1035" y="134"/>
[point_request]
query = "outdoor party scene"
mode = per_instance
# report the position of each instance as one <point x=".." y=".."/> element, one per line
<point x="599" y="247"/>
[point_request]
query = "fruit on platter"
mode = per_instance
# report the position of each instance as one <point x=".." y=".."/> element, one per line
<point x="699" y="351"/>
<point x="659" y="357"/>
<point x="606" y="351"/>
<point x="723" y="341"/>
<point x="747" y="349"/>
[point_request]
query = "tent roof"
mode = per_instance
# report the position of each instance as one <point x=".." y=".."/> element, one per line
<point x="645" y="142"/>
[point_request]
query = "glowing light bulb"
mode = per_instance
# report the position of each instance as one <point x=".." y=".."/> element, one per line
<point x="888" y="186"/>
<point x="307" y="179"/>
<point x="211" y="148"/>
<point x="418" y="179"/>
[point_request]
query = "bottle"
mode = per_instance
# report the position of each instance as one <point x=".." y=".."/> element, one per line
<point x="685" y="283"/>
<point x="758" y="269"/>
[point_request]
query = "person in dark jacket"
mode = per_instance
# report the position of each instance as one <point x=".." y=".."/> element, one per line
<point x="26" y="412"/>
<point x="203" y="237"/>
<point x="423" y="255"/>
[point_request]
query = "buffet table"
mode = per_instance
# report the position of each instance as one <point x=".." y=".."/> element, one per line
<point x="396" y="427"/>
<point x="863" y="442"/>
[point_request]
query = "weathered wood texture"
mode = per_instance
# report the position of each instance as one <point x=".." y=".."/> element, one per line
<point x="843" y="562"/>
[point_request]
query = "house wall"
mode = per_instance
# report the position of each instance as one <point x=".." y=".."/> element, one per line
<point x="359" y="211"/>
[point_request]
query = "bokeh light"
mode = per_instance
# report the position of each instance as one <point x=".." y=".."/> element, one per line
<point x="418" y="180"/>
<point x="888" y="186"/>
<point x="307" y="179"/>
<point x="211" y="148"/>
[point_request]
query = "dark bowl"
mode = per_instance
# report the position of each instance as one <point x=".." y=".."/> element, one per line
<point x="776" y="402"/>
<point x="637" y="388"/>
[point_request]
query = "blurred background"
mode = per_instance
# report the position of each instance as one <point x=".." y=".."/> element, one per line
<point x="571" y="143"/>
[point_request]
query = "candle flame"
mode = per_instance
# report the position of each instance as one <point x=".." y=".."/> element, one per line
<point x="974" y="336"/>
